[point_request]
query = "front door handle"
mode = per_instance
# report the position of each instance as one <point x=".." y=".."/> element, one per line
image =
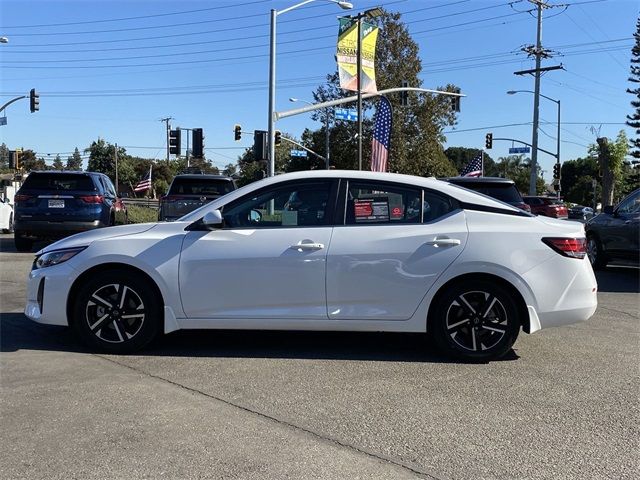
<point x="444" y="242"/>
<point x="305" y="246"/>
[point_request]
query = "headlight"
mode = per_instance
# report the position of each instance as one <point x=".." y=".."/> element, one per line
<point x="55" y="257"/>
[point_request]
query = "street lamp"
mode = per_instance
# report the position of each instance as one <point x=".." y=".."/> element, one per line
<point x="326" y="128"/>
<point x="535" y="144"/>
<point x="272" y="74"/>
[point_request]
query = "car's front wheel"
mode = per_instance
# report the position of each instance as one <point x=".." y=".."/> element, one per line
<point x="117" y="312"/>
<point x="475" y="320"/>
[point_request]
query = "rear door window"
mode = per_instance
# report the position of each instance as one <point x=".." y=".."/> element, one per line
<point x="58" y="182"/>
<point x="381" y="203"/>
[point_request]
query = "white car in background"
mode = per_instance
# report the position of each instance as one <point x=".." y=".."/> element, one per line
<point x="324" y="250"/>
<point x="6" y="216"/>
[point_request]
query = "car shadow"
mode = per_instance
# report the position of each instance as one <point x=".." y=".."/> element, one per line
<point x="618" y="279"/>
<point x="20" y="333"/>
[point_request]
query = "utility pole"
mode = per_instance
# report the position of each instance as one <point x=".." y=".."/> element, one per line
<point x="166" y="120"/>
<point x="116" y="160"/>
<point x="539" y="53"/>
<point x="359" y="77"/>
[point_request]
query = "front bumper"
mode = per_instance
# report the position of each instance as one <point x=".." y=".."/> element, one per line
<point x="47" y="293"/>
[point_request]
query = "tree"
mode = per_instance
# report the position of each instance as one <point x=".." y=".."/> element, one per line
<point x="74" y="162"/>
<point x="230" y="169"/>
<point x="461" y="156"/>
<point x="417" y="129"/>
<point x="29" y="162"/>
<point x="577" y="180"/>
<point x="634" y="120"/>
<point x="4" y="158"/>
<point x="57" y="163"/>
<point x="102" y="157"/>
<point x="610" y="161"/>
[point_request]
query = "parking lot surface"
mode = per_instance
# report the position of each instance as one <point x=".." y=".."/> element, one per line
<point x="563" y="404"/>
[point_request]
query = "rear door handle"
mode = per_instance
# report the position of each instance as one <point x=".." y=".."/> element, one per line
<point x="302" y="246"/>
<point x="444" y="242"/>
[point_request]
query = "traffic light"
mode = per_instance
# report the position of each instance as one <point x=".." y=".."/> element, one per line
<point x="488" y="142"/>
<point x="278" y="138"/>
<point x="198" y="143"/>
<point x="237" y="132"/>
<point x="404" y="96"/>
<point x="175" y="141"/>
<point x="556" y="170"/>
<point x="259" y="145"/>
<point x="12" y="160"/>
<point x="455" y="102"/>
<point x="34" y="100"/>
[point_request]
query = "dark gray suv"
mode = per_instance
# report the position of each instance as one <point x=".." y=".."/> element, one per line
<point x="615" y="233"/>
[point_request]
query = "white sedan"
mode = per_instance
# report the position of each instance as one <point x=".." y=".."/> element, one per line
<point x="324" y="250"/>
<point x="6" y="216"/>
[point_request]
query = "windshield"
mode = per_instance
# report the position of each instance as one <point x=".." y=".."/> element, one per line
<point x="201" y="186"/>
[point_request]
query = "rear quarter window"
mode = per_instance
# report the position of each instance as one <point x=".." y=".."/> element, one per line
<point x="58" y="182"/>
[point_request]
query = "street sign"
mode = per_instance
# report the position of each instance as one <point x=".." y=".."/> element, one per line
<point x="520" y="150"/>
<point x="298" y="153"/>
<point x="346" y="114"/>
<point x="3" y="120"/>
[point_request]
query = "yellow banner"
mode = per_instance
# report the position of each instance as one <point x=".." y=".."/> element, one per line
<point x="347" y="55"/>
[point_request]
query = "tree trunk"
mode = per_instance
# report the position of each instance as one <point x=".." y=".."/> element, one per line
<point x="608" y="180"/>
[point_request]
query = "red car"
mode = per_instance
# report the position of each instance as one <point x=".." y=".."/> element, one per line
<point x="547" y="206"/>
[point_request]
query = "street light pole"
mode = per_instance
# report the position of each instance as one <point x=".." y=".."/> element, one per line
<point x="359" y="83"/>
<point x="272" y="75"/>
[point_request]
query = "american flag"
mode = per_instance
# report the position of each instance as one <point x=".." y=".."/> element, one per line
<point x="474" y="167"/>
<point x="381" y="137"/>
<point x="144" y="183"/>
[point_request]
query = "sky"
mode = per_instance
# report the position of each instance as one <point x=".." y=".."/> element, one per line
<point x="113" y="69"/>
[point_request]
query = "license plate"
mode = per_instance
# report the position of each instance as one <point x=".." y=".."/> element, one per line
<point x="56" y="203"/>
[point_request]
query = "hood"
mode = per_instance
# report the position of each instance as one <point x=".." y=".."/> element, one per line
<point x="85" y="238"/>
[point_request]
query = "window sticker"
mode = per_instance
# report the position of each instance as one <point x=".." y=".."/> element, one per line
<point x="371" y="210"/>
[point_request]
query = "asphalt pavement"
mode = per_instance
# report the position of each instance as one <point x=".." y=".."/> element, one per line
<point x="247" y="405"/>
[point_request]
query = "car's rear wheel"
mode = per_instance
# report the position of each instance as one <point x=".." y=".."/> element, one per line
<point x="475" y="320"/>
<point x="117" y="312"/>
<point x="22" y="243"/>
<point x="594" y="252"/>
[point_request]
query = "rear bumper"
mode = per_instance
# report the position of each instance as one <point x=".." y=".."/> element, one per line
<point x="44" y="229"/>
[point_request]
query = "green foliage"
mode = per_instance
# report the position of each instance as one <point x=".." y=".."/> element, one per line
<point x="74" y="162"/>
<point x="57" y="163"/>
<point x="461" y="156"/>
<point x="29" y="162"/>
<point x="140" y="214"/>
<point x="4" y="159"/>
<point x="633" y="120"/>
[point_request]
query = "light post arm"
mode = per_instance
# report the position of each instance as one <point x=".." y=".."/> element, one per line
<point x="14" y="100"/>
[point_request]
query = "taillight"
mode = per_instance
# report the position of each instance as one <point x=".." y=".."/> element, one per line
<point x="569" y="247"/>
<point x="92" y="198"/>
<point x="21" y="198"/>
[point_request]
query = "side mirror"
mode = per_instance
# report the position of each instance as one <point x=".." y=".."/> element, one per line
<point x="212" y="220"/>
<point x="608" y="210"/>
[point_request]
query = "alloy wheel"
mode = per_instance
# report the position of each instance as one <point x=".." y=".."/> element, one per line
<point x="476" y="321"/>
<point x="115" y="313"/>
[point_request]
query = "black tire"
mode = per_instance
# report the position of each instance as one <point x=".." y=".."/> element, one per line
<point x="597" y="257"/>
<point x="22" y="243"/>
<point x="117" y="312"/>
<point x="475" y="320"/>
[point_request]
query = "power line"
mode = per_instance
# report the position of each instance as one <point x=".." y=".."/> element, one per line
<point x="183" y="12"/>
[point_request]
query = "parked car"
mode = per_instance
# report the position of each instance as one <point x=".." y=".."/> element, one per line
<point x="580" y="212"/>
<point x="614" y="233"/>
<point x="502" y="189"/>
<point x="6" y="216"/>
<point x="54" y="204"/>
<point x="324" y="250"/>
<point x="547" y="206"/>
<point x="188" y="192"/>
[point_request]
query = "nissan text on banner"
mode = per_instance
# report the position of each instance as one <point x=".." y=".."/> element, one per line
<point x="348" y="51"/>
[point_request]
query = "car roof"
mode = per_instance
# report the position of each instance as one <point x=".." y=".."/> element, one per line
<point x="479" y="180"/>
<point x="200" y="176"/>
<point x="66" y="172"/>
